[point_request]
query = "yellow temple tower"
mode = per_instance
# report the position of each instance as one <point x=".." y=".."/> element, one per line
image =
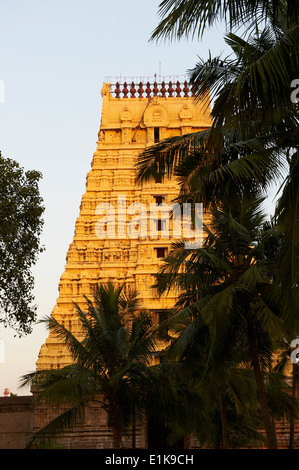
<point x="133" y="117"/>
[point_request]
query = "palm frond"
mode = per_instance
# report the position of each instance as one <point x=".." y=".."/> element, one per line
<point x="161" y="159"/>
<point x="184" y="18"/>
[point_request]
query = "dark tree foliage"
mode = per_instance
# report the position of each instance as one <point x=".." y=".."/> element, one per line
<point x="21" y="211"/>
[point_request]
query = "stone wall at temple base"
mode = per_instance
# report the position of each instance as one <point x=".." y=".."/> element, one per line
<point x="20" y="418"/>
<point x="16" y="421"/>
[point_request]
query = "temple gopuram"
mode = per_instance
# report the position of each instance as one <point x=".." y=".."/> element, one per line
<point x="133" y="117"/>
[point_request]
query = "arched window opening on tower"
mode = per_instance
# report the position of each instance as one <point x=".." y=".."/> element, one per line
<point x="161" y="252"/>
<point x="156" y="135"/>
<point x="159" y="200"/>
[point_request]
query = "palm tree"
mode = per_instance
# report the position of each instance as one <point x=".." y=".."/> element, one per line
<point x="253" y="139"/>
<point x="109" y="365"/>
<point x="228" y="412"/>
<point x="234" y="284"/>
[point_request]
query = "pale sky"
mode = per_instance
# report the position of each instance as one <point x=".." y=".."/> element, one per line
<point x="54" y="57"/>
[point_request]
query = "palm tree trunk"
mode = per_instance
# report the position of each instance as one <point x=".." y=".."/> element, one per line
<point x="292" y="421"/>
<point x="268" y="424"/>
<point x="134" y="427"/>
<point x="223" y="422"/>
<point x="116" y="436"/>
